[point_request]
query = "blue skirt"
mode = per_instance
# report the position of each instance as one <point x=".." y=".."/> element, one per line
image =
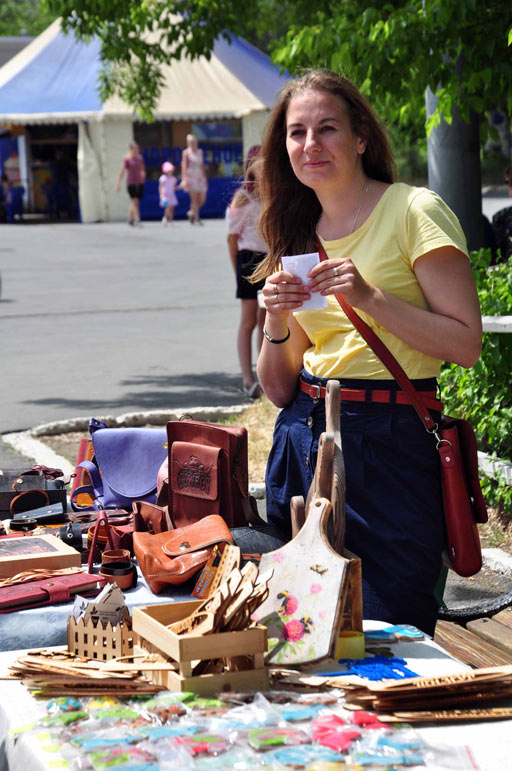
<point x="394" y="509"/>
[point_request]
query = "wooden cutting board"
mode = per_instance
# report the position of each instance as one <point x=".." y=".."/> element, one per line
<point x="306" y="592"/>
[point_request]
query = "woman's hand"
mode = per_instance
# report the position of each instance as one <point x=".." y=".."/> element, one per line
<point x="283" y="292"/>
<point x="340" y="276"/>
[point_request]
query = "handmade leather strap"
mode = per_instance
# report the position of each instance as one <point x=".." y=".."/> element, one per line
<point x="102" y="517"/>
<point x="386" y="357"/>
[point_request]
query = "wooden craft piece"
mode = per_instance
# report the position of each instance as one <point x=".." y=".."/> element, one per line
<point x="297" y="513"/>
<point x="329" y="477"/>
<point x="306" y="591"/>
<point x="239" y="601"/>
<point x="214" y="604"/>
<point x="336" y="530"/>
<point x="322" y="479"/>
<point x="448" y="715"/>
<point x="35" y="552"/>
<point x="229" y="559"/>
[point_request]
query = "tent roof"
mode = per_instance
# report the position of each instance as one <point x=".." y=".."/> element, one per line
<point x="54" y="80"/>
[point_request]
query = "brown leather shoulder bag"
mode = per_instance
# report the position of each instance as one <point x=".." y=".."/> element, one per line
<point x="464" y="504"/>
<point x="174" y="556"/>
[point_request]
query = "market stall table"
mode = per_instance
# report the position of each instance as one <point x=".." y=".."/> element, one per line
<point x="485" y="745"/>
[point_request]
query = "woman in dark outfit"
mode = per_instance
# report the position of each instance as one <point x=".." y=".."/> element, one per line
<point x="398" y="255"/>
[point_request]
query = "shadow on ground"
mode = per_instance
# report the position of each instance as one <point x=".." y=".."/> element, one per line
<point x="152" y="392"/>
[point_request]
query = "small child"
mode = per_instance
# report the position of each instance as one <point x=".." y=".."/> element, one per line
<point x="166" y="188"/>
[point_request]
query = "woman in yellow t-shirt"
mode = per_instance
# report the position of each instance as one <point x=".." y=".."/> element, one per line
<point x="398" y="255"/>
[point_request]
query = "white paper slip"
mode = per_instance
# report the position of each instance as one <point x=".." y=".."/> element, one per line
<point x="300" y="265"/>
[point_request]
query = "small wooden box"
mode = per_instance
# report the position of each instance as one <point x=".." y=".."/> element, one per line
<point x="94" y="641"/>
<point x="236" y="649"/>
<point x="35" y="551"/>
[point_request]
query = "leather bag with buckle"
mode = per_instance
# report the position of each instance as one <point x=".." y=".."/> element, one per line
<point x="124" y="467"/>
<point x="207" y="472"/>
<point x="463" y="502"/>
<point x="171" y="558"/>
<point x="47" y="485"/>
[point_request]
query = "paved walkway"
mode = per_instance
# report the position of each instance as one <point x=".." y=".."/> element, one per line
<point x="105" y="319"/>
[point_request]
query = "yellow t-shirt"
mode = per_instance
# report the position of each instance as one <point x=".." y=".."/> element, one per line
<point x="406" y="223"/>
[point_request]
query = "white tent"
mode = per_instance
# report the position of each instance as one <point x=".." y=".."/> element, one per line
<point x="54" y="80"/>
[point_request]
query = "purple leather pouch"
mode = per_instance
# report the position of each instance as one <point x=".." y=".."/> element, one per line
<point x="125" y="465"/>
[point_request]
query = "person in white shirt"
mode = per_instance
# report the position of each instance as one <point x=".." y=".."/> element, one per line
<point x="247" y="250"/>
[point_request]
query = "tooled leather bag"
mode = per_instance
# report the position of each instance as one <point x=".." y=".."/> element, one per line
<point x="207" y="472"/>
<point x="171" y="558"/>
<point x="463" y="502"/>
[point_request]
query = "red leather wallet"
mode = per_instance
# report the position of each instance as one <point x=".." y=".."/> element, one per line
<point x="47" y="591"/>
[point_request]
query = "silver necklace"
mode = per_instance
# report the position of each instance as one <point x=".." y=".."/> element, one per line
<point x="359" y="210"/>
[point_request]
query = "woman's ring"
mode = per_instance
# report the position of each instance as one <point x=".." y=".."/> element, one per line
<point x="336" y="271"/>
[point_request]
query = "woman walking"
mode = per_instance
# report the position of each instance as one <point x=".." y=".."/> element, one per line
<point x="194" y="179"/>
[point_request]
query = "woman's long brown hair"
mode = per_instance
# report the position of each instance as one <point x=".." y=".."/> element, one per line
<point x="290" y="210"/>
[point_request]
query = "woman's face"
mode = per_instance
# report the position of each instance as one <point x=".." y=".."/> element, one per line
<point x="192" y="142"/>
<point x="323" y="150"/>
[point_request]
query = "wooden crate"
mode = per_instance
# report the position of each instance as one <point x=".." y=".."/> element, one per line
<point x="94" y="641"/>
<point x="241" y="652"/>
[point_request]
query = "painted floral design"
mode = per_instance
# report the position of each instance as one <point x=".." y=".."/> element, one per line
<point x="295" y="630"/>
<point x="289" y="603"/>
<point x="315" y="588"/>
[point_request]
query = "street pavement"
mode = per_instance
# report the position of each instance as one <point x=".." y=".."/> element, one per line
<point x="104" y="319"/>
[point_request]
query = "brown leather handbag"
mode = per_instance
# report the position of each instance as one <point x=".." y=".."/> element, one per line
<point x="208" y="473"/>
<point x="174" y="556"/>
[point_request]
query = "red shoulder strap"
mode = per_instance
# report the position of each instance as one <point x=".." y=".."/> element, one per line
<point x="384" y="354"/>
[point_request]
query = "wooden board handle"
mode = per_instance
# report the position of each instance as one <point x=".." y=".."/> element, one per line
<point x="336" y="531"/>
<point x="297" y="513"/>
<point x="317" y="518"/>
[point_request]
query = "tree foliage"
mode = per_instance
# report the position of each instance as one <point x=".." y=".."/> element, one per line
<point x="23" y="17"/>
<point x="393" y="50"/>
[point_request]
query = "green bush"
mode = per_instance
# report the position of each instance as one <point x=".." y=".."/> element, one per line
<point x="483" y="394"/>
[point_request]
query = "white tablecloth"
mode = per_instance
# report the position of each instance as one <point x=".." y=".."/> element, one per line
<point x="47" y="625"/>
<point x="487" y="743"/>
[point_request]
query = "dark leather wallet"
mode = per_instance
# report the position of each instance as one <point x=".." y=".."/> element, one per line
<point x="45" y="515"/>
